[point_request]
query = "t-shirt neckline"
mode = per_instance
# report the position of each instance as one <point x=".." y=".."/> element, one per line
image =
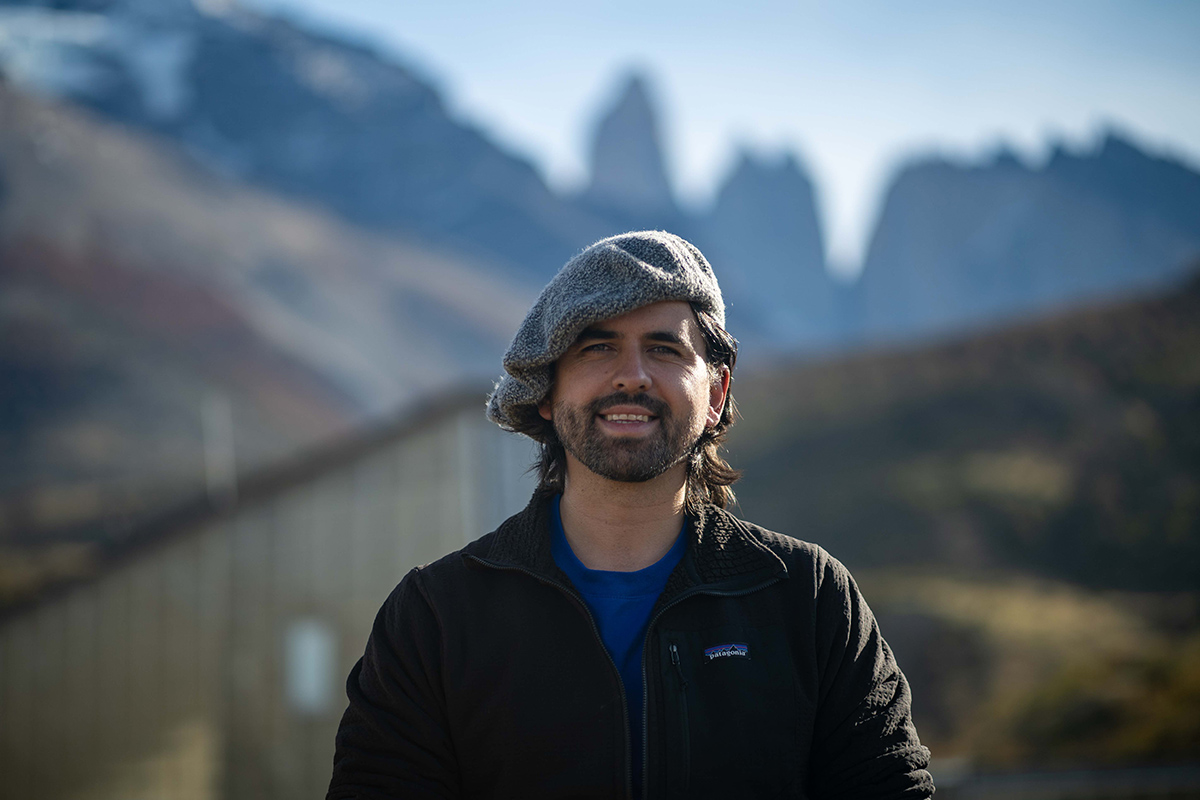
<point x="612" y="583"/>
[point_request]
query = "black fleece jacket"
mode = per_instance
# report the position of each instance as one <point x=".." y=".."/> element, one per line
<point x="764" y="676"/>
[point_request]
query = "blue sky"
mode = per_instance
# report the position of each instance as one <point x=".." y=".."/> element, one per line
<point x="852" y="87"/>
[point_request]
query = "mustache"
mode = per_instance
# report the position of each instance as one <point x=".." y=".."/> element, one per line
<point x="653" y="405"/>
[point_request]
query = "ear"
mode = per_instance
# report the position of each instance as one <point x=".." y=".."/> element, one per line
<point x="546" y="409"/>
<point x="717" y="393"/>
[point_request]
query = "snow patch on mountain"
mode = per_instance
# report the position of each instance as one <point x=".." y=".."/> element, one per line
<point x="69" y="54"/>
<point x="329" y="74"/>
<point x="158" y="62"/>
<point x="48" y="52"/>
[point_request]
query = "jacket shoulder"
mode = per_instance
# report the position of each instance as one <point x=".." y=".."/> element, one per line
<point x="453" y="565"/>
<point x="801" y="558"/>
<point x="789" y="548"/>
<point x="496" y="545"/>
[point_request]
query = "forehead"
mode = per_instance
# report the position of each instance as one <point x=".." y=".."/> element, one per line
<point x="671" y="316"/>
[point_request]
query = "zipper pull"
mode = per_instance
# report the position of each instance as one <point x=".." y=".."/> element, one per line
<point x="675" y="662"/>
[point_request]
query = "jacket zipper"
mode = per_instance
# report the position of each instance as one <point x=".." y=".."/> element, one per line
<point x="645" y="649"/>
<point x="595" y="630"/>
<point x="687" y="743"/>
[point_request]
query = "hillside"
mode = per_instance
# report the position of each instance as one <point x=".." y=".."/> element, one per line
<point x="1069" y="446"/>
<point x="1011" y="672"/>
<point x="146" y="303"/>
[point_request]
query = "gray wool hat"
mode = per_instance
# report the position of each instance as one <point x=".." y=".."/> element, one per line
<point x="612" y="277"/>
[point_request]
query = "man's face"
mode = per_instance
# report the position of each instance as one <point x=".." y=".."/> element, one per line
<point x="633" y="393"/>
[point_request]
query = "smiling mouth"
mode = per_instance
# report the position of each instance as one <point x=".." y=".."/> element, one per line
<point x="627" y="417"/>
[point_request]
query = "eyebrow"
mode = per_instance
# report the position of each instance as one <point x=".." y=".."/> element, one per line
<point x="665" y="336"/>
<point x="595" y="333"/>
<point x="605" y="334"/>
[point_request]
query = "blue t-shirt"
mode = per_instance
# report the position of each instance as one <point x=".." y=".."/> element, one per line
<point x="621" y="603"/>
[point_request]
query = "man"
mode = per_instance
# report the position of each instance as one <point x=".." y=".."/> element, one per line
<point x="624" y="635"/>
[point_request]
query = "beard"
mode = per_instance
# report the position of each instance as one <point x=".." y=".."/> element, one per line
<point x="621" y="458"/>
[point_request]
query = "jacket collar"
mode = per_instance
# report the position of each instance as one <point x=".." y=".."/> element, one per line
<point x="723" y="554"/>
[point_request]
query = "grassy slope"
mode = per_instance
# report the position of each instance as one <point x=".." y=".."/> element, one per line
<point x="1068" y="446"/>
<point x="1011" y="671"/>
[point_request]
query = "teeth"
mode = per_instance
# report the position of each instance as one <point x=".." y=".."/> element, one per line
<point x="627" y="417"/>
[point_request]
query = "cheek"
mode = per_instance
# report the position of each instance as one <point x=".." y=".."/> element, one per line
<point x="697" y="393"/>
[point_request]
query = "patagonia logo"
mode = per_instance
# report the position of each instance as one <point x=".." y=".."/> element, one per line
<point x="731" y="650"/>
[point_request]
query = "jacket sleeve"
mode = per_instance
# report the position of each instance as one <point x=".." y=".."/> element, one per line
<point x="393" y="740"/>
<point x="865" y="744"/>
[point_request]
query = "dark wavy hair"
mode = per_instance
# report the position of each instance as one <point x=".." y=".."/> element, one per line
<point x="709" y="476"/>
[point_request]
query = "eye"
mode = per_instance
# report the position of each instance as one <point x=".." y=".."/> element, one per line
<point x="597" y="347"/>
<point x="663" y="348"/>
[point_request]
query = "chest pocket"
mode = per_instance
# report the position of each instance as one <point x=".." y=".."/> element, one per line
<point x="734" y="723"/>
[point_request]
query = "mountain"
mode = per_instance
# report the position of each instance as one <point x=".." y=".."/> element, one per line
<point x="325" y="120"/>
<point x="764" y="234"/>
<point x="145" y="300"/>
<point x="307" y="115"/>
<point x="960" y="245"/>
<point x="1066" y="446"/>
<point x="628" y="173"/>
<point x="329" y="121"/>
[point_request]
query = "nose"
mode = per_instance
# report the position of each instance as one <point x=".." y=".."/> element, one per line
<point x="630" y="374"/>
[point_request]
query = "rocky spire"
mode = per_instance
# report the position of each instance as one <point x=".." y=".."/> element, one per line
<point x="628" y="174"/>
<point x="766" y="246"/>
